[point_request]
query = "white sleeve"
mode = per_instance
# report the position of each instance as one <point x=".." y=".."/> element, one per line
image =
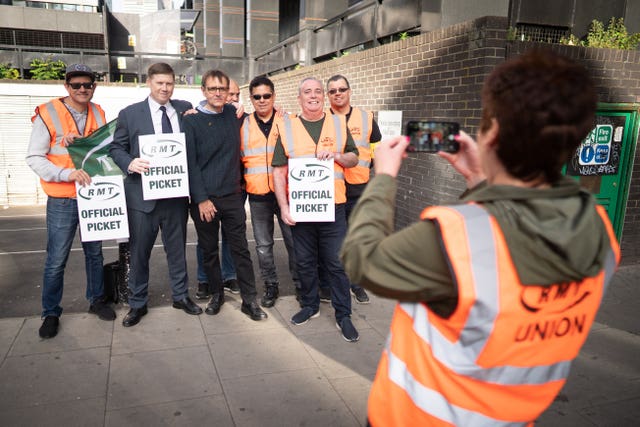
<point x="37" y="155"/>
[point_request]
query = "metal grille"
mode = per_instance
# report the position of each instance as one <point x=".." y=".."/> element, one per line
<point x="6" y="36"/>
<point x="540" y="33"/>
<point x="37" y="38"/>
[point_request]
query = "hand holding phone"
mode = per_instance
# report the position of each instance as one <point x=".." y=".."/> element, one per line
<point x="428" y="136"/>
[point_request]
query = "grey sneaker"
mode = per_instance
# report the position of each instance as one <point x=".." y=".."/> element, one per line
<point x="349" y="332"/>
<point x="360" y="294"/>
<point x="304" y="315"/>
<point x="232" y="286"/>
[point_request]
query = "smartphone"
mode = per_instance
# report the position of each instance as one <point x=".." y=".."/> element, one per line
<point x="428" y="136"/>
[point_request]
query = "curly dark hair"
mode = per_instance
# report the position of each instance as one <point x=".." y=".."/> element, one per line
<point x="545" y="106"/>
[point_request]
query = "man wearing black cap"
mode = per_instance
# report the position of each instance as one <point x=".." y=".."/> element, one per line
<point x="57" y="124"/>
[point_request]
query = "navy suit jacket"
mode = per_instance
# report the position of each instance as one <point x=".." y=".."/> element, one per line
<point x="133" y="121"/>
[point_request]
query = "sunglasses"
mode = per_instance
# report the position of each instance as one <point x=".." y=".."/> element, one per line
<point x="76" y="86"/>
<point x="259" y="97"/>
<point x="340" y="89"/>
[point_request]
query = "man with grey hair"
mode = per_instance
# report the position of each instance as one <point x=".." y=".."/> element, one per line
<point x="313" y="133"/>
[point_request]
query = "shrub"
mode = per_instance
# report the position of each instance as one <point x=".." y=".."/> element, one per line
<point x="47" y="69"/>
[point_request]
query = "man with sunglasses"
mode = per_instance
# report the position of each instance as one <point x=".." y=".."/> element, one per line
<point x="258" y="139"/>
<point x="365" y="132"/>
<point x="215" y="183"/>
<point x="57" y="124"/>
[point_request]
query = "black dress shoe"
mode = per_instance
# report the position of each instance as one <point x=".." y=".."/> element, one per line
<point x="217" y="299"/>
<point x="133" y="316"/>
<point x="253" y="310"/>
<point x="188" y="306"/>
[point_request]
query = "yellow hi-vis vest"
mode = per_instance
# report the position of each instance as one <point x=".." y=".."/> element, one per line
<point x="503" y="354"/>
<point x="256" y="151"/>
<point x="59" y="122"/>
<point x="297" y="143"/>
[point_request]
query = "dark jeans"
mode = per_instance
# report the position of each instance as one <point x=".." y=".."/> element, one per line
<point x="170" y="218"/>
<point x="262" y="211"/>
<point x="232" y="217"/>
<point x="226" y="263"/>
<point x="324" y="279"/>
<point x="62" y="223"/>
<point x="318" y="244"/>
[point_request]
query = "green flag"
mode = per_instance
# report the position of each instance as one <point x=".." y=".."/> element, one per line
<point x="91" y="153"/>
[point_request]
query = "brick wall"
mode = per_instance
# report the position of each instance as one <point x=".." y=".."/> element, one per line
<point x="439" y="75"/>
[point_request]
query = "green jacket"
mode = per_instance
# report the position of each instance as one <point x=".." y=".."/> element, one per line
<point x="554" y="235"/>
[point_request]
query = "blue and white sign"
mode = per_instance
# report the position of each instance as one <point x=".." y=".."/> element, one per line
<point x="596" y="148"/>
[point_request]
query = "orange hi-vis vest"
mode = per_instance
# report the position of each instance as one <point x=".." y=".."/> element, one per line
<point x="59" y="122"/>
<point x="297" y="143"/>
<point x="360" y="126"/>
<point x="503" y="354"/>
<point x="256" y="151"/>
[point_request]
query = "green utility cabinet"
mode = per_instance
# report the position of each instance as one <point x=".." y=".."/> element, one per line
<point x="604" y="160"/>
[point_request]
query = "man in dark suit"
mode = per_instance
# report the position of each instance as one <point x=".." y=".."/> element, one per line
<point x="156" y="114"/>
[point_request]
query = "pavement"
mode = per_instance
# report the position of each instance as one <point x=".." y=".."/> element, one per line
<point x="174" y="369"/>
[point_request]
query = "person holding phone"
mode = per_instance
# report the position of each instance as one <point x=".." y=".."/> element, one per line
<point x="496" y="293"/>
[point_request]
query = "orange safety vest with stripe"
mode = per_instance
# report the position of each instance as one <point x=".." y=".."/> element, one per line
<point x="504" y="353"/>
<point x="360" y="126"/>
<point x="256" y="151"/>
<point x="59" y="122"/>
<point x="297" y="143"/>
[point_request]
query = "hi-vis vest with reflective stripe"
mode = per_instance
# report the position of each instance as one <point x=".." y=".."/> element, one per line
<point x="360" y="125"/>
<point x="503" y="355"/>
<point x="59" y="121"/>
<point x="297" y="143"/>
<point x="257" y="152"/>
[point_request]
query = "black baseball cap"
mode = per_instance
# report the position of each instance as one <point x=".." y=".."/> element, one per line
<point x="74" y="70"/>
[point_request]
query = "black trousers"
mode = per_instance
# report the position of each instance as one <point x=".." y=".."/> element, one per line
<point x="232" y="217"/>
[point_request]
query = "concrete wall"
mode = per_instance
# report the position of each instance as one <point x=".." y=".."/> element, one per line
<point x="439" y="75"/>
<point x="50" y="20"/>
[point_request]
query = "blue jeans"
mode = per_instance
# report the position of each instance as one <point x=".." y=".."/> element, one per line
<point x="263" y="208"/>
<point x="318" y="244"/>
<point x="62" y="222"/>
<point x="226" y="263"/>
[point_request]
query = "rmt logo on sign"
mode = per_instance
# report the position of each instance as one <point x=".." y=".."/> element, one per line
<point x="163" y="149"/>
<point x="100" y="191"/>
<point x="311" y="172"/>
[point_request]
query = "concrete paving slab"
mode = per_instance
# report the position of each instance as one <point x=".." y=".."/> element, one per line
<point x="381" y="326"/>
<point x="206" y="411"/>
<point x="231" y="319"/>
<point x="295" y="398"/>
<point x="9" y="329"/>
<point x="77" y="331"/>
<point x="39" y="379"/>
<point x="161" y="376"/>
<point x="162" y="328"/>
<point x="378" y="308"/>
<point x="258" y="352"/>
<point x="354" y="391"/>
<point x="76" y="413"/>
<point x="339" y="359"/>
